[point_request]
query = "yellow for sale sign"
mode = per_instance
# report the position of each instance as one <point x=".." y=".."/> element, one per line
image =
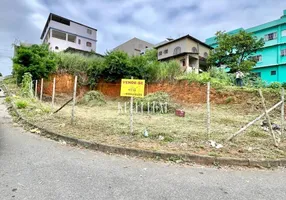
<point x="132" y="88"/>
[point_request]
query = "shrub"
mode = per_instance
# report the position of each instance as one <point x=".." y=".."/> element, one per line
<point x="77" y="64"/>
<point x="284" y="85"/>
<point x="21" y="104"/>
<point x="275" y="85"/>
<point x="117" y="66"/>
<point x="252" y="80"/>
<point x="26" y="90"/>
<point x="35" y="59"/>
<point x="93" y="98"/>
<point x="173" y="69"/>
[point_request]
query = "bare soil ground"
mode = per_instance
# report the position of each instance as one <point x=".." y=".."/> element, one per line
<point x="167" y="132"/>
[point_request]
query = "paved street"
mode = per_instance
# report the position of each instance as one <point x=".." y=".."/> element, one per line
<point x="32" y="167"/>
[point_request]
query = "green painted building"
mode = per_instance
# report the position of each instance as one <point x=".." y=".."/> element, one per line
<point x="271" y="65"/>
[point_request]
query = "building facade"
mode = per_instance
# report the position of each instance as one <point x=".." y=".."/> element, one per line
<point x="134" y="47"/>
<point x="61" y="33"/>
<point x="271" y="65"/>
<point x="190" y="52"/>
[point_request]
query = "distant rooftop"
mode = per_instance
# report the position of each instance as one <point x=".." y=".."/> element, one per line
<point x="186" y="36"/>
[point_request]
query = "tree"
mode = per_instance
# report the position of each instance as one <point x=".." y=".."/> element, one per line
<point x="1" y="74"/>
<point x="151" y="55"/>
<point x="235" y="51"/>
<point x="35" y="59"/>
<point x="117" y="64"/>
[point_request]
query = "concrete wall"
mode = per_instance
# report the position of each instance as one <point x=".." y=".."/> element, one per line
<point x="186" y="45"/>
<point x="134" y="46"/>
<point x="79" y="31"/>
<point x="171" y="47"/>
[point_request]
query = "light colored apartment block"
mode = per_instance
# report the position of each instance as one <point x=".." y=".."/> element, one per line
<point x="134" y="47"/>
<point x="61" y="33"/>
<point x="189" y="51"/>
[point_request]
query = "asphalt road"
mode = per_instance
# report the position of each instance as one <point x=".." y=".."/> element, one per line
<point x="32" y="167"/>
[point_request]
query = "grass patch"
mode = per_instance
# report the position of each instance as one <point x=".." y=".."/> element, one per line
<point x="21" y="104"/>
<point x="8" y="99"/>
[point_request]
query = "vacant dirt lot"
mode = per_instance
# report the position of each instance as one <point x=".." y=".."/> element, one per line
<point x="167" y="132"/>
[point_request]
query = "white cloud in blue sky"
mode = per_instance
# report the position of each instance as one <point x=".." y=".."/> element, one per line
<point x="120" y="20"/>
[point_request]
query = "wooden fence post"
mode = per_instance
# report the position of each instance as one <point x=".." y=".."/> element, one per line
<point x="166" y="107"/>
<point x="268" y="118"/>
<point x="252" y="122"/>
<point x="119" y="108"/>
<point x="36" y="89"/>
<point x="148" y="107"/>
<point x="54" y="91"/>
<point x="142" y="107"/>
<point x="131" y="113"/>
<point x="74" y="99"/>
<point x="42" y="85"/>
<point x="208" y="111"/>
<point x="31" y="93"/>
<point x="282" y="111"/>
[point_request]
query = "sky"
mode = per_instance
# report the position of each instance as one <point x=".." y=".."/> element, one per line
<point x="120" y="20"/>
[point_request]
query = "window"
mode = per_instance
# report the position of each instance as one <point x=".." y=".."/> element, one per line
<point x="88" y="44"/>
<point x="56" y="48"/>
<point x="177" y="50"/>
<point x="270" y="36"/>
<point x="194" y="50"/>
<point x="71" y="38"/>
<point x="258" y="74"/>
<point x="206" y="54"/>
<point x="273" y="73"/>
<point x="79" y="41"/>
<point x="59" y="35"/>
<point x="160" y="53"/>
<point x="89" y="31"/>
<point x="165" y="51"/>
<point x="183" y="62"/>
<point x="257" y="58"/>
<point x="283" y="34"/>
<point x="283" y="52"/>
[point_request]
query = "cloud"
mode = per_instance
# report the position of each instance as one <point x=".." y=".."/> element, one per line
<point x="120" y="20"/>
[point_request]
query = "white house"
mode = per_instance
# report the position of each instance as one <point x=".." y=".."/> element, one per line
<point x="61" y="33"/>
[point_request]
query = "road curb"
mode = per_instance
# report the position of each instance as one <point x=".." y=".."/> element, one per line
<point x="177" y="157"/>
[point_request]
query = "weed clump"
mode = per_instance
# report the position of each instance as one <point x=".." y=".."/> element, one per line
<point x="93" y="98"/>
<point x="21" y="104"/>
<point x="160" y="100"/>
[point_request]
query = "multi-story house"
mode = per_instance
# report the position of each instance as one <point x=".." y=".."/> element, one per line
<point x="61" y="33"/>
<point x="134" y="47"/>
<point x="271" y="65"/>
<point x="190" y="52"/>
